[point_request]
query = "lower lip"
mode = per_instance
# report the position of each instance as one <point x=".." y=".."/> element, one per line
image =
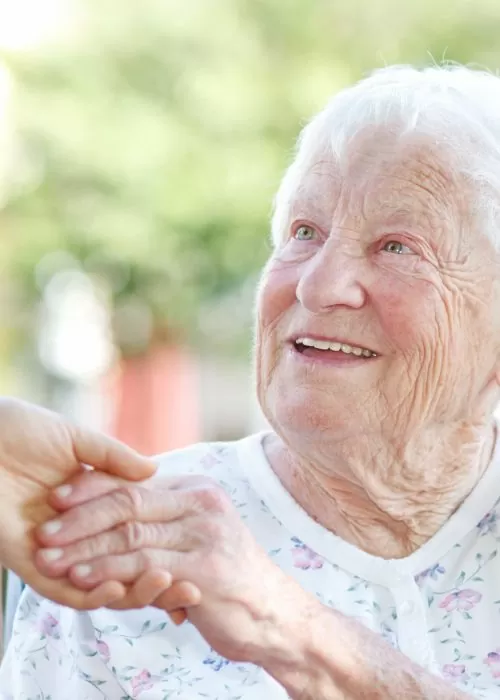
<point x="329" y="357"/>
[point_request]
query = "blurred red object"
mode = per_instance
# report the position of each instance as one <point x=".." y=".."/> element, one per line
<point x="155" y="400"/>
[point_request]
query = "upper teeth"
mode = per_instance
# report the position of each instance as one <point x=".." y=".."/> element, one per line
<point x="337" y="347"/>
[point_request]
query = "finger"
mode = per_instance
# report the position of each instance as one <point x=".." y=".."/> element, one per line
<point x="88" y="485"/>
<point x="104" y="595"/>
<point x="84" y="487"/>
<point x="125" y="568"/>
<point x="148" y="589"/>
<point x="129" y="503"/>
<point x="55" y="561"/>
<point x="101" y="596"/>
<point x="178" y="617"/>
<point x="109" y="455"/>
<point x="182" y="594"/>
<point x="143" y="592"/>
<point x="64" y="592"/>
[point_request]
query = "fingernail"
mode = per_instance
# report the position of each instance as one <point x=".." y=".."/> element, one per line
<point x="63" y="491"/>
<point x="52" y="527"/>
<point x="52" y="554"/>
<point x="82" y="570"/>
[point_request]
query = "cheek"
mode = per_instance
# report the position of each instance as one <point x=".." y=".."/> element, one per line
<point x="416" y="321"/>
<point x="432" y="331"/>
<point x="277" y="293"/>
<point x="410" y="313"/>
<point x="275" y="297"/>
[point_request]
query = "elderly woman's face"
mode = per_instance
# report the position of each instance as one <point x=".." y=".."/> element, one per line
<point x="383" y="268"/>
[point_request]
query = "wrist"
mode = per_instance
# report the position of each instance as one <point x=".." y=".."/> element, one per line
<point x="300" y="645"/>
<point x="317" y="653"/>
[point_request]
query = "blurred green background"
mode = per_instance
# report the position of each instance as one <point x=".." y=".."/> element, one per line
<point x="141" y="143"/>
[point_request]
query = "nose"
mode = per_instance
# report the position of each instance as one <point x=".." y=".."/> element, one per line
<point x="332" y="278"/>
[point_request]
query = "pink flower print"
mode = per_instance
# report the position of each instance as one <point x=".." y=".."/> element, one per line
<point x="49" y="626"/>
<point x="141" y="682"/>
<point x="452" y="672"/>
<point x="461" y="600"/>
<point x="304" y="557"/>
<point x="103" y="650"/>
<point x="493" y="661"/>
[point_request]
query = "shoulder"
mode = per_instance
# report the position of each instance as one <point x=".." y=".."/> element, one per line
<point x="216" y="459"/>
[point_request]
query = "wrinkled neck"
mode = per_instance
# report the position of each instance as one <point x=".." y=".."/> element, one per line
<point x="384" y="497"/>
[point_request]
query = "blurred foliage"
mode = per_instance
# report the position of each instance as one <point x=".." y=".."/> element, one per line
<point x="153" y="135"/>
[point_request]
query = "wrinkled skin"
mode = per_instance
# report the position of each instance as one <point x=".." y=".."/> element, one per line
<point x="381" y="452"/>
<point x="189" y="527"/>
<point x="370" y="449"/>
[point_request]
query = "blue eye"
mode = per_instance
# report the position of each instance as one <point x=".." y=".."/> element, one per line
<point x="397" y="248"/>
<point x="305" y="233"/>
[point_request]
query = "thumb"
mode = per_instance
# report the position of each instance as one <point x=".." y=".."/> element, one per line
<point x="109" y="455"/>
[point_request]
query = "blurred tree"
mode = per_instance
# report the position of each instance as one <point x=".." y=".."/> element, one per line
<point x="153" y="135"/>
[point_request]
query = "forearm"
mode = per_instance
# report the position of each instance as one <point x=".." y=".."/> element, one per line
<point x="332" y="657"/>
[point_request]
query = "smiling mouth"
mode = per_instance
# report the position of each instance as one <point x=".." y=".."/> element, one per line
<point x="303" y="344"/>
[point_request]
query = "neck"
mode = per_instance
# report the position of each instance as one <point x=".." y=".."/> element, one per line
<point x="386" y="497"/>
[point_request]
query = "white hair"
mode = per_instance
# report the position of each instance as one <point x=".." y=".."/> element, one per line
<point x="455" y="106"/>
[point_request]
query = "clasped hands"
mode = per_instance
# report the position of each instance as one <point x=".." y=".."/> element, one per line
<point x="109" y="529"/>
<point x="175" y="543"/>
<point x="123" y="536"/>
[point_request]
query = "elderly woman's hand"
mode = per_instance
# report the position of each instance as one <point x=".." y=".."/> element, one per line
<point x="187" y="526"/>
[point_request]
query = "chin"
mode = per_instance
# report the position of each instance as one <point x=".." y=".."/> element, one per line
<point x="299" y="411"/>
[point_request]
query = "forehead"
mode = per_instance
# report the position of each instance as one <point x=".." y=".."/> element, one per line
<point x="382" y="173"/>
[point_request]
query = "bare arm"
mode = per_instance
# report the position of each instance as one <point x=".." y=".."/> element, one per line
<point x="339" y="659"/>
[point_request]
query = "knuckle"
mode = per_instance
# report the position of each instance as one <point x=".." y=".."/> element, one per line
<point x="213" y="529"/>
<point x="130" y="499"/>
<point x="212" y="498"/>
<point x="91" y="548"/>
<point x="132" y="534"/>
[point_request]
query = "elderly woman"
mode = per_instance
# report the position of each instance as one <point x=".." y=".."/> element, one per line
<point x="350" y="552"/>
